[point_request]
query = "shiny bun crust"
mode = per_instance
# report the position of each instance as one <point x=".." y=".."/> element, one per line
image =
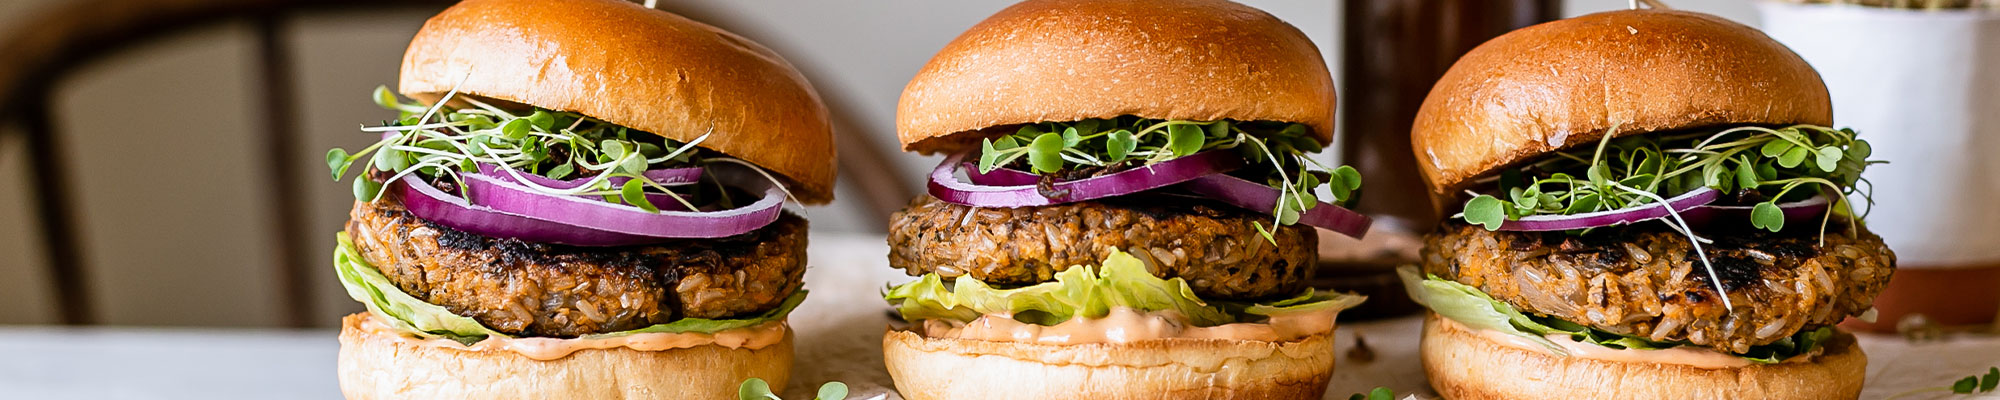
<point x="1068" y="60"/>
<point x="1563" y="84"/>
<point x="377" y="366"/>
<point x="937" y="369"/>
<point x="1465" y="366"/>
<point x="636" y="67"/>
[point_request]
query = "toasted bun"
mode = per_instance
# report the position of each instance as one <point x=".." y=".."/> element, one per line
<point x="636" y="67"/>
<point x="1465" y="366"/>
<point x="379" y="366"/>
<point x="1563" y="84"/>
<point x="931" y="368"/>
<point x="1067" y="60"/>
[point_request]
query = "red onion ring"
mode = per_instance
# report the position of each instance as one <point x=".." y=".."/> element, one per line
<point x="663" y="176"/>
<point x="501" y="208"/>
<point x="1263" y="198"/>
<point x="1806" y="212"/>
<point x="1681" y="204"/>
<point x="950" y="189"/>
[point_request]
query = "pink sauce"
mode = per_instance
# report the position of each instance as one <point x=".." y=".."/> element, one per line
<point x="1124" y="325"/>
<point x="545" y="349"/>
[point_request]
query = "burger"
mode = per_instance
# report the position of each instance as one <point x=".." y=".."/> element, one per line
<point x="1652" y="205"/>
<point x="579" y="199"/>
<point x="1126" y="209"/>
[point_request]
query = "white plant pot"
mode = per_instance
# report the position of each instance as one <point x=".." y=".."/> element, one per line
<point x="1923" y="87"/>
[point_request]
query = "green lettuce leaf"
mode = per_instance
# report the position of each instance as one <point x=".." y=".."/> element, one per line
<point x="1474" y="308"/>
<point x="367" y="285"/>
<point x="1085" y="291"/>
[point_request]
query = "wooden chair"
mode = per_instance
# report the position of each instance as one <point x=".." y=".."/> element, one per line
<point x="59" y="40"/>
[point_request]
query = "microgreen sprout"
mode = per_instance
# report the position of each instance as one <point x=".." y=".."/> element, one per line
<point x="1970" y="384"/>
<point x="439" y="141"/>
<point x="1277" y="152"/>
<point x="1380" y="393"/>
<point x="758" y="389"/>
<point x="1755" y="162"/>
<point x="1763" y="165"/>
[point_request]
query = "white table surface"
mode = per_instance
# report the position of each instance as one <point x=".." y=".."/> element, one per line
<point x="839" y="338"/>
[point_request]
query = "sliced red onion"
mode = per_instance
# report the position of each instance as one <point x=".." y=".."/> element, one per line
<point x="947" y="187"/>
<point x="501" y="208"/>
<point x="1681" y="204"/>
<point x="1264" y="198"/>
<point x="663" y="176"/>
<point x="1806" y="212"/>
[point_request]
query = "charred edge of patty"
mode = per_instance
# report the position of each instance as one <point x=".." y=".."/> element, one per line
<point x="1212" y="245"/>
<point x="1645" y="279"/>
<point x="552" y="290"/>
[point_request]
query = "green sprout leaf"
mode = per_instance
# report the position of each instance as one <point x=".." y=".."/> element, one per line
<point x="1792" y="158"/>
<point x="1965" y="386"/>
<point x="1120" y="144"/>
<point x="516" y="129"/>
<point x="634" y="193"/>
<point x="561" y="171"/>
<point x="989" y="157"/>
<point x="832" y="391"/>
<point x="1071" y="138"/>
<point x="1746" y="175"/>
<point x="366" y="189"/>
<point x="1775" y="148"/>
<point x="1991" y="380"/>
<point x="1828" y="158"/>
<point x="755" y="389"/>
<point x="383" y="97"/>
<point x="1184" y="139"/>
<point x="338" y="161"/>
<point x="1045" y="153"/>
<point x="1485" y="211"/>
<point x="542" y="120"/>
<point x="1768" y="216"/>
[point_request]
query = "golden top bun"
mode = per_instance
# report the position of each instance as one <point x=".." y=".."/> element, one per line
<point x="1068" y="60"/>
<point x="636" y="67"/>
<point x="1463" y="365"/>
<point x="1563" y="84"/>
<point x="374" y="365"/>
<point x="959" y="369"/>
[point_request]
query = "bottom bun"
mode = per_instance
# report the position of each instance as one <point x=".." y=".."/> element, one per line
<point x="378" y="365"/>
<point x="960" y="369"/>
<point x="1463" y="365"/>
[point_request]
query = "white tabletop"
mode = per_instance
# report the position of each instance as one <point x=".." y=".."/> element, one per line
<point x="840" y="329"/>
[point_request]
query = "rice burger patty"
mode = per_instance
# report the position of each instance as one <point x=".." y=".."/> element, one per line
<point x="1215" y="246"/>
<point x="1651" y="206"/>
<point x="563" y="210"/>
<point x="1126" y="209"/>
<point x="539" y="289"/>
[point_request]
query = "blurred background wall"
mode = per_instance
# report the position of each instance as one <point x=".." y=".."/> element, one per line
<point x="160" y="139"/>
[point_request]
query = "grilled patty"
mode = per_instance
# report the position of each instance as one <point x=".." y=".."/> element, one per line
<point x="533" y="289"/>
<point x="1645" y="280"/>
<point x="1212" y="245"/>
